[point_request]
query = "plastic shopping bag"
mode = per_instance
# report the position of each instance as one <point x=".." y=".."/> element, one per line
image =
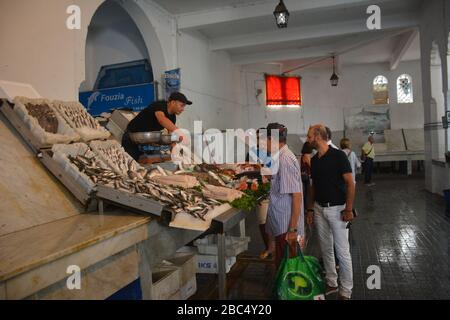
<point x="299" y="278"/>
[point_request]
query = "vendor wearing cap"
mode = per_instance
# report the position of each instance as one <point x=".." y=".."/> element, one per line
<point x="157" y="116"/>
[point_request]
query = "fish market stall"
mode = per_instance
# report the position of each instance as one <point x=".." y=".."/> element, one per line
<point x="146" y="214"/>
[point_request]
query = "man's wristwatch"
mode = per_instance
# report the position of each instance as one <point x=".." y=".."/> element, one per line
<point x="292" y="230"/>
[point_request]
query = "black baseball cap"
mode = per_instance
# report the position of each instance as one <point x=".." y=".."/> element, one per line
<point x="178" y="96"/>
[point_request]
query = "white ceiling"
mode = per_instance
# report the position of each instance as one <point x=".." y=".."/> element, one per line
<point x="246" y="29"/>
<point x="186" y="6"/>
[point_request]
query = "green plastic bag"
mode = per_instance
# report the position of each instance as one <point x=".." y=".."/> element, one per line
<point x="299" y="278"/>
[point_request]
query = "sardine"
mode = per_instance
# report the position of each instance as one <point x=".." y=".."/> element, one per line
<point x="216" y="177"/>
<point x="161" y="170"/>
<point x="184" y="195"/>
<point x="165" y="199"/>
<point x="134" y="175"/>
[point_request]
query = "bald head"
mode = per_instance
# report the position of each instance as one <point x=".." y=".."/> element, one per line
<point x="319" y="130"/>
<point x="317" y="136"/>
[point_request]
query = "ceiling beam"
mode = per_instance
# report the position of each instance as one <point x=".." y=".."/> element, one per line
<point x="401" y="48"/>
<point x="342" y="46"/>
<point x="203" y="19"/>
<point x="310" y="32"/>
<point x="280" y="55"/>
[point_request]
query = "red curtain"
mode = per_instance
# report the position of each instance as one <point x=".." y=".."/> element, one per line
<point x="283" y="90"/>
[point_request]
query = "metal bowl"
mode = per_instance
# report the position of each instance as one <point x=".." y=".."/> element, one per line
<point x="166" y="139"/>
<point x="152" y="137"/>
<point x="145" y="137"/>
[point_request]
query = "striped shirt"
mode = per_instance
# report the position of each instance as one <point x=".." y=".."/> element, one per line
<point x="285" y="181"/>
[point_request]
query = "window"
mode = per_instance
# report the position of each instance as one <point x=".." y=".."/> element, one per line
<point x="283" y="91"/>
<point x="404" y="89"/>
<point x="380" y="90"/>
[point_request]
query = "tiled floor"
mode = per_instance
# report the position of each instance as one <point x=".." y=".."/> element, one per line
<point x="401" y="228"/>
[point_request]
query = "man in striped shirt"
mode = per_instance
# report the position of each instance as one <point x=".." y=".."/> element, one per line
<point x="285" y="216"/>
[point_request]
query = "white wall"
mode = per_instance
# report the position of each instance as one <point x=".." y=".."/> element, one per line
<point x="51" y="57"/>
<point x="37" y="48"/>
<point x="323" y="103"/>
<point x="207" y="79"/>
<point x="113" y="38"/>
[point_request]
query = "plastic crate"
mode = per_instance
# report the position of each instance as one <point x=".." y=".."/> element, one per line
<point x="208" y="263"/>
<point x="233" y="245"/>
<point x="185" y="262"/>
<point x="166" y="282"/>
<point x="189" y="289"/>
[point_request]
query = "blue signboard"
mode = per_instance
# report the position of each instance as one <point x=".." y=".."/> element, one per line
<point x="135" y="97"/>
<point x="172" y="81"/>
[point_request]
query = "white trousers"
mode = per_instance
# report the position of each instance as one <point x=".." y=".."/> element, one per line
<point x="333" y="235"/>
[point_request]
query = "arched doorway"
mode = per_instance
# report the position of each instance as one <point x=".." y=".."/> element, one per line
<point x="120" y="36"/>
<point x="112" y="38"/>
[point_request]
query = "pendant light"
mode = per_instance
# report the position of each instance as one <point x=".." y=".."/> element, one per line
<point x="281" y="15"/>
<point x="334" y="78"/>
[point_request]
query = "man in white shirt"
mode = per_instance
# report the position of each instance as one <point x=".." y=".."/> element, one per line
<point x="329" y="142"/>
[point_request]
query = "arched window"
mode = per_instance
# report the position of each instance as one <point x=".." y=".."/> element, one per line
<point x="380" y="90"/>
<point x="404" y="89"/>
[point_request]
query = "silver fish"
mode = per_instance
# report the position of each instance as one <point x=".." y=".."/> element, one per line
<point x="216" y="177"/>
<point x="161" y="170"/>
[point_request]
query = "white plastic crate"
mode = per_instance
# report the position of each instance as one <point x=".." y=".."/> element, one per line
<point x="186" y="263"/>
<point x="233" y="245"/>
<point x="115" y="130"/>
<point x="189" y="289"/>
<point x="166" y="282"/>
<point x="208" y="263"/>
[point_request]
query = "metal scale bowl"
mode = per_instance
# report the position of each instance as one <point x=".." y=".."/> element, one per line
<point x="154" y="144"/>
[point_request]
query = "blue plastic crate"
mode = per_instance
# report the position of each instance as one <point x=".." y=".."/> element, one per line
<point x="132" y="291"/>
